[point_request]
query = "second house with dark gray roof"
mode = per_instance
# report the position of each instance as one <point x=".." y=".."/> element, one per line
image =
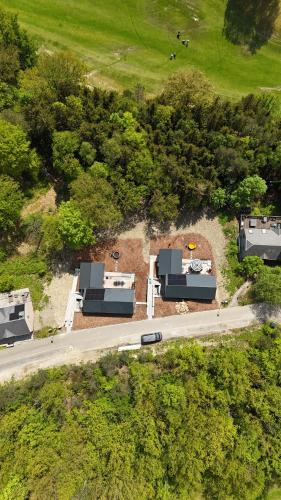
<point x="106" y="293"/>
<point x="190" y="279"/>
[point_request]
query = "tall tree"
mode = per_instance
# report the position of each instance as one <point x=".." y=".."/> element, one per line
<point x="94" y="197"/>
<point x="12" y="36"/>
<point x="74" y="229"/>
<point x="63" y="72"/>
<point x="16" y="156"/>
<point x="11" y="202"/>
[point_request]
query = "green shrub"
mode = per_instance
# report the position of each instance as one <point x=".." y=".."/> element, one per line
<point x="47" y="331"/>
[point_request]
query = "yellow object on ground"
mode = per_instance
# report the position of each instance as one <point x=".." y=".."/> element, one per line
<point x="191" y="246"/>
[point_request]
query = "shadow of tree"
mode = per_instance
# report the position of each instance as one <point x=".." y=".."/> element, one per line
<point x="265" y="312"/>
<point x="250" y="22"/>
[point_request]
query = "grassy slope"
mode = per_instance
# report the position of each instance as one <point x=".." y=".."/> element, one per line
<point x="130" y="41"/>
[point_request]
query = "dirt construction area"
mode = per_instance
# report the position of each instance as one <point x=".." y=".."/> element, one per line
<point x="131" y="260"/>
<point x="202" y="251"/>
<point x="135" y="247"/>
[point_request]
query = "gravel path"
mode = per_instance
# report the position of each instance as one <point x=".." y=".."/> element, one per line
<point x="239" y="292"/>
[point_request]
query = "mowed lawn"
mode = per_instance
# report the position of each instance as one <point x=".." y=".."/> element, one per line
<point x="126" y="42"/>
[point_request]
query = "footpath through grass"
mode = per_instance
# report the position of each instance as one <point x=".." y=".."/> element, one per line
<point x="125" y="43"/>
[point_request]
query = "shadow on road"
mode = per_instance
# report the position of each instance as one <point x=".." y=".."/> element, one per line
<point x="250" y="22"/>
<point x="264" y="312"/>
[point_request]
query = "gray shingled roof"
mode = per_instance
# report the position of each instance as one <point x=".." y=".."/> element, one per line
<point x="116" y="301"/>
<point x="91" y="275"/>
<point x="13" y="330"/>
<point x="265" y="243"/>
<point x="194" y="287"/>
<point x="169" y="261"/>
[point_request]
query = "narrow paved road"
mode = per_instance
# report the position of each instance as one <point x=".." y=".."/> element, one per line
<point x="84" y="345"/>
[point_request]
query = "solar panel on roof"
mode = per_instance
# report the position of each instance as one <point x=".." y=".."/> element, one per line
<point x="177" y="279"/>
<point x="94" y="294"/>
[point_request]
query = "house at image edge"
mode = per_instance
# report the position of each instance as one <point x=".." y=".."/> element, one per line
<point x="106" y="293"/>
<point x="16" y="316"/>
<point x="260" y="236"/>
<point x="191" y="282"/>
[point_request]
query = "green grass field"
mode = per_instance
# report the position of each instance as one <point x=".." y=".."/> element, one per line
<point x="129" y="41"/>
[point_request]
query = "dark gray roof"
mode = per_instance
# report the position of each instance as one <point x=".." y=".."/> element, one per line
<point x="116" y="301"/>
<point x="169" y="261"/>
<point x="13" y="312"/>
<point x="91" y="275"/>
<point x="14" y="330"/>
<point x="265" y="243"/>
<point x="190" y="286"/>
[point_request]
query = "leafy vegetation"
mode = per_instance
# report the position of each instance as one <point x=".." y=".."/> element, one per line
<point x="24" y="272"/>
<point x="47" y="331"/>
<point x="232" y="271"/>
<point x="267" y="287"/>
<point x="192" y="422"/>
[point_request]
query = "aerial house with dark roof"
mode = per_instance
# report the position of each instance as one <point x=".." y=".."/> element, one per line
<point x="106" y="293"/>
<point x="16" y="316"/>
<point x="169" y="261"/>
<point x="260" y="236"/>
<point x="189" y="279"/>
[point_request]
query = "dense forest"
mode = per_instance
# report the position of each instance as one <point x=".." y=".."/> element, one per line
<point x="193" y="422"/>
<point x="112" y="156"/>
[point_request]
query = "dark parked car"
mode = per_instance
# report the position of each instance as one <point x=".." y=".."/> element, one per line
<point x="151" y="338"/>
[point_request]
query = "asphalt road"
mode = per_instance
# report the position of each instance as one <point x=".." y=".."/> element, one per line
<point x="84" y="345"/>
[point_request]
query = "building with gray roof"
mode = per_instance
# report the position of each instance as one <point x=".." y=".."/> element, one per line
<point x="115" y="301"/>
<point x="169" y="261"/>
<point x="190" y="286"/>
<point x="91" y="275"/>
<point x="103" y="293"/>
<point x="260" y="236"/>
<point x="193" y="284"/>
<point x="16" y="316"/>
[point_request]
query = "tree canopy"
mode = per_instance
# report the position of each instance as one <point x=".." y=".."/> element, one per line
<point x="11" y="202"/>
<point x="191" y="422"/>
<point x="267" y="287"/>
<point x="16" y="156"/>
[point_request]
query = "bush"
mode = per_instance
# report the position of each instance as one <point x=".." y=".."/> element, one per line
<point x="47" y="331"/>
<point x="251" y="266"/>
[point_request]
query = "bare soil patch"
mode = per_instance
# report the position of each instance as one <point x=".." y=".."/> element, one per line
<point x="203" y="250"/>
<point x="44" y="203"/>
<point x="131" y="261"/>
<point x="135" y="247"/>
